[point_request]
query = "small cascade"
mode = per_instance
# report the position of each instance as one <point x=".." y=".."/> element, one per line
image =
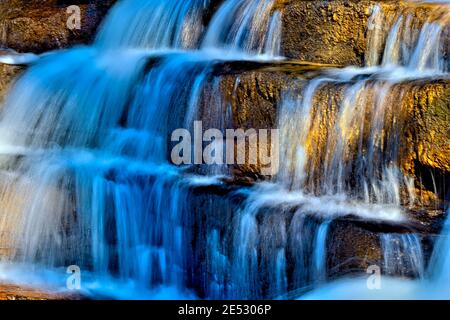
<point x="440" y="260"/>
<point x="402" y="255"/>
<point x="154" y="24"/>
<point x="248" y="25"/>
<point x="348" y="139"/>
<point x="298" y="237"/>
<point x="251" y="26"/>
<point x="406" y="39"/>
<point x="320" y="253"/>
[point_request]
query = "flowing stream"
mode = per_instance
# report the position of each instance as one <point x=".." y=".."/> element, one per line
<point x="86" y="178"/>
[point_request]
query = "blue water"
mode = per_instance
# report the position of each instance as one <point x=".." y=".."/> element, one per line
<point x="86" y="178"/>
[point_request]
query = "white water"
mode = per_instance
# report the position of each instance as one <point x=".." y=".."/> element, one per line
<point x="86" y="180"/>
<point x="405" y="42"/>
<point x="402" y="252"/>
<point x="435" y="286"/>
<point x="353" y="165"/>
<point x="410" y="52"/>
<point x="18" y="59"/>
<point x="246" y="25"/>
<point x="238" y="25"/>
<point x="83" y="152"/>
<point x="153" y="24"/>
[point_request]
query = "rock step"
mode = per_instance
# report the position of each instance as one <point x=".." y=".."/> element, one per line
<point x="333" y="32"/>
<point x="7" y="75"/>
<point x="254" y="92"/>
<point x="39" y="26"/>
<point x="19" y="292"/>
<point x="337" y="31"/>
<point x="255" y="96"/>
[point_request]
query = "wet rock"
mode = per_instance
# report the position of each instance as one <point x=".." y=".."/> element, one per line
<point x="39" y="26"/>
<point x="7" y="74"/>
<point x="337" y="31"/>
<point x="426" y="144"/>
<point x="423" y="118"/>
<point x="351" y="249"/>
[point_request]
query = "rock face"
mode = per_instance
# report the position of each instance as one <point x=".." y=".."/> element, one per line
<point x="325" y="31"/>
<point x="7" y="74"/>
<point x="255" y="96"/>
<point x="426" y="152"/>
<point x="38" y="26"/>
<point x="338" y="31"/>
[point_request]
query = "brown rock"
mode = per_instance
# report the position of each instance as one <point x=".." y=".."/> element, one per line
<point x="426" y="152"/>
<point x="38" y="26"/>
<point x="16" y="292"/>
<point x="337" y="31"/>
<point x="7" y="74"/>
<point x="325" y="31"/>
<point x="420" y="108"/>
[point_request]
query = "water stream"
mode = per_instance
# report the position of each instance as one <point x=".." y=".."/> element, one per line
<point x="87" y="181"/>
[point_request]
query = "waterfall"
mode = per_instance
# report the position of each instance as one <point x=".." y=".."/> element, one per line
<point x="85" y="147"/>
<point x="320" y="161"/>
<point x="350" y="148"/>
<point x="404" y="40"/>
<point x="341" y="133"/>
<point x="440" y="259"/>
<point x="153" y="24"/>
<point x="247" y="25"/>
<point x="402" y="255"/>
<point x="301" y="238"/>
<point x="320" y="252"/>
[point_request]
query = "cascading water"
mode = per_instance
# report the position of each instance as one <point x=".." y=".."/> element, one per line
<point x="154" y="25"/>
<point x="246" y="25"/>
<point x="402" y="252"/>
<point x="84" y="149"/>
<point x="341" y="137"/>
<point x="406" y="40"/>
<point x="364" y="135"/>
<point x="90" y="150"/>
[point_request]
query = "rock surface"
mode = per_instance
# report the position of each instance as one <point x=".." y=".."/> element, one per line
<point x="254" y="96"/>
<point x="39" y="26"/>
<point x="7" y="74"/>
<point x="426" y="146"/>
<point x="337" y="31"/>
<point x="18" y="292"/>
<point x="325" y="31"/>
